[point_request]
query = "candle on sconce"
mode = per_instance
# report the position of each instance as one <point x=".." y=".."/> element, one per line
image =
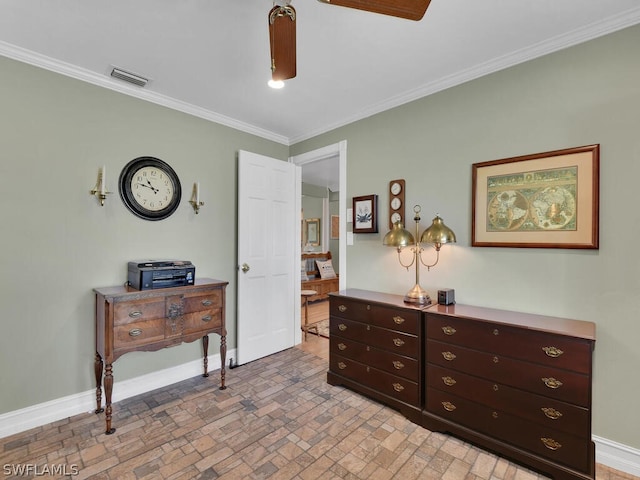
<point x="198" y="192"/>
<point x="103" y="180"/>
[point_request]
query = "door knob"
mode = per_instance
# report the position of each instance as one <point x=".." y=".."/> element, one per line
<point x="245" y="268"/>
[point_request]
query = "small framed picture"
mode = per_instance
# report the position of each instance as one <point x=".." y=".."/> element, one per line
<point x="365" y="214"/>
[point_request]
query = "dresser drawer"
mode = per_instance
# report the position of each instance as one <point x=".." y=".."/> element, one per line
<point x="392" y="386"/>
<point x="551" y="382"/>
<point x="195" y="302"/>
<point x="406" y="321"/>
<point x="136" y="310"/>
<point x="138" y="333"/>
<point x="394" y="341"/>
<point x="558" y="351"/>
<point x="558" y="446"/>
<point x="389" y="362"/>
<point x="536" y="408"/>
<point x="200" y="322"/>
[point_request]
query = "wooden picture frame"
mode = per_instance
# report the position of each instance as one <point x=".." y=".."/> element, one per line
<point x="365" y="214"/>
<point x="312" y="231"/>
<point x="544" y="200"/>
<point x="335" y="227"/>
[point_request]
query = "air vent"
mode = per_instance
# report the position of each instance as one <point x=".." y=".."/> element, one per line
<point x="129" y="77"/>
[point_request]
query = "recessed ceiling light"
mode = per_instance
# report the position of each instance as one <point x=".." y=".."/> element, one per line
<point x="275" y="83"/>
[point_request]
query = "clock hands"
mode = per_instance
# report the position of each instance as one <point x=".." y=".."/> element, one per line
<point x="155" y="190"/>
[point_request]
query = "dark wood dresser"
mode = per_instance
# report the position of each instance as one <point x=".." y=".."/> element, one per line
<point x="514" y="383"/>
<point x="375" y="348"/>
<point x="129" y="320"/>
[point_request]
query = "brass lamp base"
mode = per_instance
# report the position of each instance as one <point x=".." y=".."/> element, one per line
<point x="417" y="295"/>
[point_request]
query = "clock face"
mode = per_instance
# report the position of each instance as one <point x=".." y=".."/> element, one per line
<point x="395" y="217"/>
<point x="150" y="188"/>
<point x="396" y="203"/>
<point x="396" y="188"/>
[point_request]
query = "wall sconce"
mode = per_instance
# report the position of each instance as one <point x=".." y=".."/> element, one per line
<point x="436" y="235"/>
<point x="100" y="190"/>
<point x="195" y="198"/>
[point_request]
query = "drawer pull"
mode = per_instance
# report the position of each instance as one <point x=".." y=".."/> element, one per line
<point x="398" y="320"/>
<point x="207" y="303"/>
<point x="397" y="387"/>
<point x="342" y="346"/>
<point x="552" y="352"/>
<point x="398" y="342"/>
<point x="342" y="308"/>
<point x="448" y="406"/>
<point x="448" y="330"/>
<point x="551" y="413"/>
<point x="448" y="381"/>
<point x="342" y="365"/>
<point x="342" y="327"/>
<point x="368" y="307"/>
<point x="552" y="382"/>
<point x="494" y="414"/>
<point x="550" y="443"/>
<point x="398" y="365"/>
<point x="448" y="356"/>
<point x="135" y="314"/>
<point x="134" y="332"/>
<point x="496" y="332"/>
<point x="496" y="360"/>
<point x="495" y="387"/>
<point x="207" y="318"/>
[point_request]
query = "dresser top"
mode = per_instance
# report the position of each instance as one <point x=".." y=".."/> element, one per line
<point x="122" y="290"/>
<point x="561" y="326"/>
<point x="377" y="297"/>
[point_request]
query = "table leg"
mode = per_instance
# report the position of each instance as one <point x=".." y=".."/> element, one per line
<point x="223" y="358"/>
<point x="98" y="370"/>
<point x="108" y="389"/>
<point x="205" y="360"/>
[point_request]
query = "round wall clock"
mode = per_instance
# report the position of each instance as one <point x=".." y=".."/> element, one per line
<point x="150" y="188"/>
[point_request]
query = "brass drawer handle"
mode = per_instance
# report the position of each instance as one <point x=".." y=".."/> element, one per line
<point x="342" y="346"/>
<point x="448" y="330"/>
<point x="398" y="342"/>
<point x="496" y="360"/>
<point x="368" y="307"/>
<point x="448" y="406"/>
<point x="448" y="381"/>
<point x="134" y="332"/>
<point x="135" y="314"/>
<point x="207" y="318"/>
<point x="397" y="387"/>
<point x="496" y="332"/>
<point x="448" y="356"/>
<point x="550" y="443"/>
<point x="552" y="382"/>
<point x="342" y="308"/>
<point x="551" y="413"/>
<point x="342" y="365"/>
<point x="342" y="327"/>
<point x="494" y="414"/>
<point x="552" y="352"/>
<point x="398" y="365"/>
<point x="398" y="320"/>
<point x="495" y="387"/>
<point x="207" y="302"/>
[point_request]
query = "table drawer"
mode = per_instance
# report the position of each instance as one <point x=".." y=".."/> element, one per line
<point x="558" y="446"/>
<point x="138" y="333"/>
<point x="202" y="321"/>
<point x="395" y="364"/>
<point x="563" y="385"/>
<point x="536" y="408"/>
<point x="406" y="321"/>
<point x="558" y="351"/>
<point x="392" y="386"/>
<point x="390" y="340"/>
<point x="134" y="311"/>
<point x="195" y="302"/>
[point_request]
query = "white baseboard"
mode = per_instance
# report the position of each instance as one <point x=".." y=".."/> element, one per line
<point x="85" y="402"/>
<point x="617" y="456"/>
<point x="612" y="454"/>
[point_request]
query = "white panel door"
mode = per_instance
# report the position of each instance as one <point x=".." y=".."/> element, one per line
<point x="267" y="274"/>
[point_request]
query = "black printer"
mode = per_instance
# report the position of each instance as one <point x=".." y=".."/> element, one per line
<point x="150" y="274"/>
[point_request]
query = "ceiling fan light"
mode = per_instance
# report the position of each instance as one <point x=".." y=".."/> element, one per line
<point x="276" y="84"/>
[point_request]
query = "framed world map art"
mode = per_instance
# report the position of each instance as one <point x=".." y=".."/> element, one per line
<point x="544" y="200"/>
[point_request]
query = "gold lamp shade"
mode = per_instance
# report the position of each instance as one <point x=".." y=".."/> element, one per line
<point x="438" y="234"/>
<point x="398" y="237"/>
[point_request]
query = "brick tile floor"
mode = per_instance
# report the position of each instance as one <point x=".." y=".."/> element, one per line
<point x="278" y="419"/>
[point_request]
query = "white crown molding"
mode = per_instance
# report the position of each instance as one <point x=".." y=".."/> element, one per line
<point x="85" y="402"/>
<point x="575" y="37"/>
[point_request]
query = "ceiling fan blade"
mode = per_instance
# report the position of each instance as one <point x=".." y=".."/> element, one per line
<point x="282" y="36"/>
<point x="409" y="9"/>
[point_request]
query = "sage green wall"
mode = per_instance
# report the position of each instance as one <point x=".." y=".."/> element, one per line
<point x="58" y="243"/>
<point x="579" y="96"/>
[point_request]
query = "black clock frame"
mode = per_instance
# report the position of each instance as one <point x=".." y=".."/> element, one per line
<point x="124" y="185"/>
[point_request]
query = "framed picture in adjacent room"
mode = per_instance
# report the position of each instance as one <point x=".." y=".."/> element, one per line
<point x="365" y="215"/>
<point x="544" y="200"/>
<point x="335" y="227"/>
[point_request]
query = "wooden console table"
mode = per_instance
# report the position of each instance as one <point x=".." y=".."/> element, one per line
<point x="129" y="320"/>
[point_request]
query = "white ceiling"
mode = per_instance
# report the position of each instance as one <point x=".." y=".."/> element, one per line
<point x="210" y="58"/>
